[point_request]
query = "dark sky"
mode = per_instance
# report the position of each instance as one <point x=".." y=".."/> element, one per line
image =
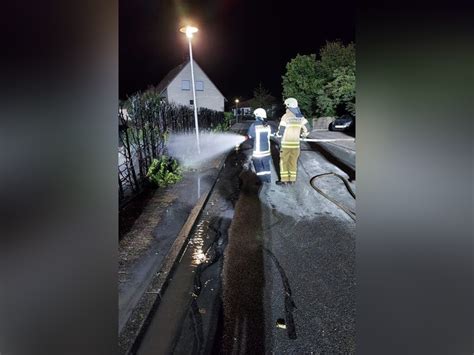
<point x="239" y="44"/>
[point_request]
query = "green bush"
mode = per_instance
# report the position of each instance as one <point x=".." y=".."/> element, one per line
<point x="225" y="125"/>
<point x="221" y="127"/>
<point x="164" y="171"/>
<point x="228" y="116"/>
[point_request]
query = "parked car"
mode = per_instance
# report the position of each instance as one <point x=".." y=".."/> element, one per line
<point x="345" y="123"/>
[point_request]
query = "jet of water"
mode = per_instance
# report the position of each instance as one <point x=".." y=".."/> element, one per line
<point x="183" y="146"/>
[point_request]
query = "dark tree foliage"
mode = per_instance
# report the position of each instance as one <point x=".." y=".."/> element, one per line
<point x="263" y="99"/>
<point x="323" y="85"/>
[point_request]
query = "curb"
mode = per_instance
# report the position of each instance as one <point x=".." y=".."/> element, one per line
<point x="137" y="324"/>
<point x="340" y="156"/>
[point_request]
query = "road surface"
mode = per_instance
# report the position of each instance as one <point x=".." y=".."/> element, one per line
<point x="274" y="269"/>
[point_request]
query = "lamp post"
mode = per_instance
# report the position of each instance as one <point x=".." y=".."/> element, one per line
<point x="189" y="31"/>
<point x="237" y="109"/>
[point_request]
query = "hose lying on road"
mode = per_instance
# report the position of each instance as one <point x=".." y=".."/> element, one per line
<point x="348" y="211"/>
<point x="289" y="302"/>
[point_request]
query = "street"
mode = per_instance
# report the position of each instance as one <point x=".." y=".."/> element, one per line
<point x="267" y="269"/>
<point x="291" y="257"/>
<point x="342" y="152"/>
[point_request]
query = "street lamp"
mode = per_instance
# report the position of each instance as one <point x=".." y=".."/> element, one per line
<point x="190" y="31"/>
<point x="237" y="109"/>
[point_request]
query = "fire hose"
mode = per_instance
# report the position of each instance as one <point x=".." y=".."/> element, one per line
<point x="317" y="140"/>
<point x="348" y="211"/>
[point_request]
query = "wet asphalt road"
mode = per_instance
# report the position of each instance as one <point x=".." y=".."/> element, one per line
<point x="291" y="257"/>
<point x="342" y="153"/>
<point x="267" y="254"/>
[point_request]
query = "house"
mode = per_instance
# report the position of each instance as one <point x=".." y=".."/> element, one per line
<point x="246" y="108"/>
<point x="243" y="108"/>
<point x="176" y="88"/>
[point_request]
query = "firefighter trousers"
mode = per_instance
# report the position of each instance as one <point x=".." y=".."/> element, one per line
<point x="262" y="168"/>
<point x="289" y="163"/>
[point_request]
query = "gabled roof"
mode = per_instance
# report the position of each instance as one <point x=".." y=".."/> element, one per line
<point x="170" y="76"/>
<point x="174" y="73"/>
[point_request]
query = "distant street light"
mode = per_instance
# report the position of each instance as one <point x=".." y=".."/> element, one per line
<point x="190" y="31"/>
<point x="237" y="109"/>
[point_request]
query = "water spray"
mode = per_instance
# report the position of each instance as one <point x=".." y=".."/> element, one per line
<point x="183" y="147"/>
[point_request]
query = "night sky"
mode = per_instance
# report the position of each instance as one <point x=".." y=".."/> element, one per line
<point x="239" y="44"/>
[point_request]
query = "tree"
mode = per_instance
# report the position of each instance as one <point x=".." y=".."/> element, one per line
<point x="262" y="98"/>
<point x="337" y="96"/>
<point x="301" y="82"/>
<point x="333" y="56"/>
<point x="325" y="85"/>
<point x="336" y="68"/>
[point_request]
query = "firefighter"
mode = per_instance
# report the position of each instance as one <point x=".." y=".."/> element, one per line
<point x="260" y="131"/>
<point x="291" y="125"/>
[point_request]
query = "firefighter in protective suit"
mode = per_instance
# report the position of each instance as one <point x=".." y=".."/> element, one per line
<point x="292" y="126"/>
<point x="260" y="131"/>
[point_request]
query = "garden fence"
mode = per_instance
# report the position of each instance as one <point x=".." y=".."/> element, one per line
<point x="143" y="133"/>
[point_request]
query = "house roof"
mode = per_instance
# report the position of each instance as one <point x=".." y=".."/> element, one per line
<point x="164" y="83"/>
<point x="170" y="76"/>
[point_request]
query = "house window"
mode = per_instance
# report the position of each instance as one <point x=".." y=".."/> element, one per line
<point x="199" y="85"/>
<point x="185" y="85"/>
<point x="191" y="102"/>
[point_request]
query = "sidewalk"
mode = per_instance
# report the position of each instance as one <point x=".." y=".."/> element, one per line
<point x="143" y="249"/>
<point x="152" y="243"/>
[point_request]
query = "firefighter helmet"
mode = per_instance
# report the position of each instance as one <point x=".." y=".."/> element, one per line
<point x="291" y="102"/>
<point x="260" y="113"/>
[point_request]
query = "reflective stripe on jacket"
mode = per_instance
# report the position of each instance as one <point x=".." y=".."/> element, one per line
<point x="261" y="134"/>
<point x="290" y="128"/>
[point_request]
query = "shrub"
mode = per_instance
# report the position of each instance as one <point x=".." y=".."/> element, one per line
<point x="228" y="117"/>
<point x="221" y="127"/>
<point x="164" y="171"/>
<point x="225" y="125"/>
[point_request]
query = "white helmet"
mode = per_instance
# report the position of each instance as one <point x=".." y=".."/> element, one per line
<point x="291" y="103"/>
<point x="260" y="113"/>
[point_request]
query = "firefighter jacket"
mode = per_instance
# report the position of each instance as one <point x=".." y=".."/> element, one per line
<point x="261" y="135"/>
<point x="290" y="128"/>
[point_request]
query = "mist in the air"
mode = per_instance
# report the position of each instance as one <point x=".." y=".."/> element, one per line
<point x="183" y="147"/>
